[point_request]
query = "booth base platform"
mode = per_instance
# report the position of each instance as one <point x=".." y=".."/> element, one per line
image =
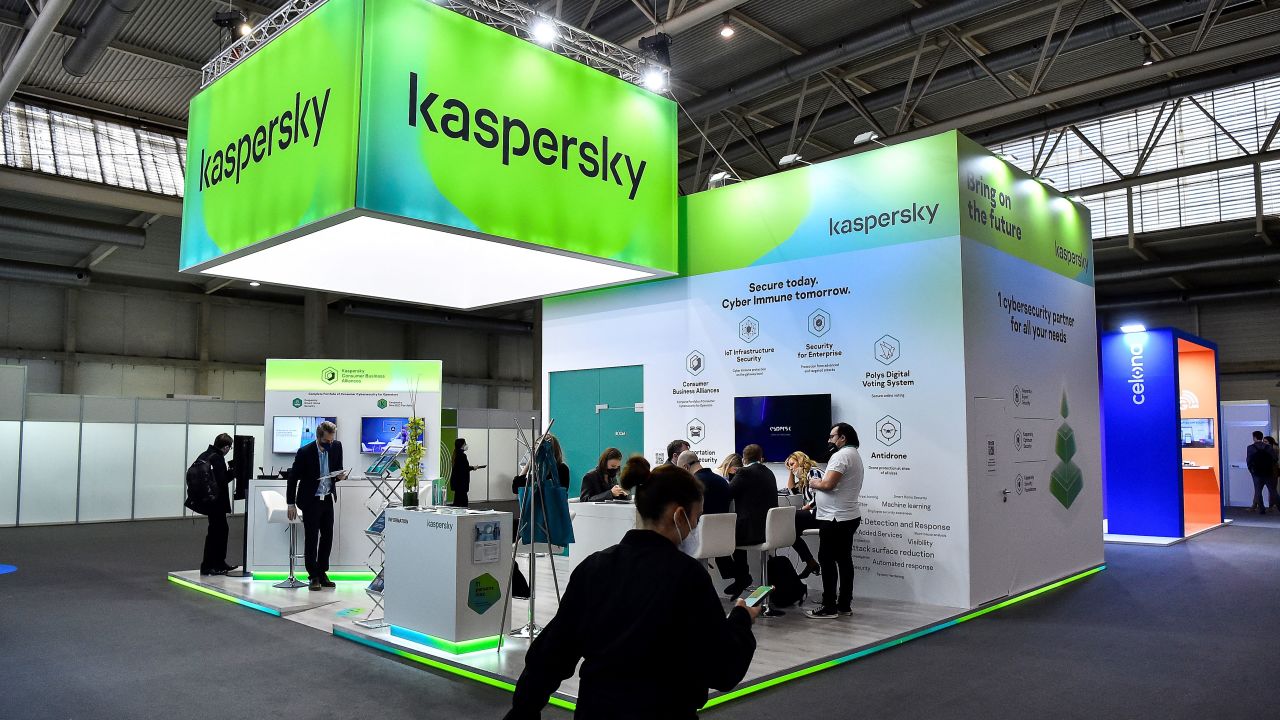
<point x="1192" y="531"/>
<point x="787" y="647"/>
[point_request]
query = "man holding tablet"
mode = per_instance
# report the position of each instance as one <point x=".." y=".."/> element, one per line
<point x="316" y="469"/>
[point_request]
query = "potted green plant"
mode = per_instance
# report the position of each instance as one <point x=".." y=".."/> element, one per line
<point x="411" y="473"/>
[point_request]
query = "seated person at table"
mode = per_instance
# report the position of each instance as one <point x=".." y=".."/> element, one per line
<point x="674" y="448"/>
<point x="715" y="499"/>
<point x="754" y="491"/>
<point x="602" y="482"/>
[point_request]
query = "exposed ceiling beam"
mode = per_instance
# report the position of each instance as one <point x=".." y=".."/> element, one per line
<point x="17" y="20"/>
<point x="88" y="192"/>
<point x="94" y="106"/>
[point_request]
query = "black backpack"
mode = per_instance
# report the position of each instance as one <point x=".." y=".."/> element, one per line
<point x="202" y="491"/>
<point x="788" y="588"/>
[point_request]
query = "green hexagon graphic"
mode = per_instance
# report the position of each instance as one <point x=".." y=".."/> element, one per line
<point x="483" y="593"/>
<point x="382" y="404"/>
<point x="1066" y="481"/>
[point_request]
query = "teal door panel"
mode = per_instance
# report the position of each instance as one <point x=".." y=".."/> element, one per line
<point x="594" y="409"/>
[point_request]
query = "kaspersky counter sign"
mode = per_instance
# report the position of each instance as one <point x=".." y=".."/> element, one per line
<point x="396" y="136"/>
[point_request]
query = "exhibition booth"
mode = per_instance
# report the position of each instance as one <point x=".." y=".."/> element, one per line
<point x="1240" y="419"/>
<point x="928" y="293"/>
<point x="1162" y="442"/>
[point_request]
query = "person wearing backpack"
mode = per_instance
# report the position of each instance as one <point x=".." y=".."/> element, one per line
<point x="215" y="541"/>
<point x="1260" y="458"/>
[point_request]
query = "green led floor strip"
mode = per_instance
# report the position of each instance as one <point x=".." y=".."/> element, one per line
<point x="773" y="682"/>
<point x="439" y="665"/>
<point x="454" y="648"/>
<point x="335" y="576"/>
<point x="223" y="596"/>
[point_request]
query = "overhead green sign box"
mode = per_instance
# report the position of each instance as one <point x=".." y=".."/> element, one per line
<point x="396" y="149"/>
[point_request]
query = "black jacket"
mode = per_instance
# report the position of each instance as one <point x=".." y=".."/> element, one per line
<point x="460" y="475"/>
<point x="595" y="487"/>
<point x="715" y="492"/>
<point x="754" y="490"/>
<point x="218" y="463"/>
<point x="649" y="628"/>
<point x="562" y="471"/>
<point x="304" y="476"/>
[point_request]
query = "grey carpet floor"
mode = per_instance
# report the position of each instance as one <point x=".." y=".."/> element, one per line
<point x="89" y="628"/>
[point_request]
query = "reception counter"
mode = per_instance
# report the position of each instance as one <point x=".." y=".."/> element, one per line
<point x="446" y="576"/>
<point x="597" y="526"/>
<point x="267" y="546"/>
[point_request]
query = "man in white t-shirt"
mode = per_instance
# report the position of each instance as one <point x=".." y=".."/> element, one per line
<point x="838" y="513"/>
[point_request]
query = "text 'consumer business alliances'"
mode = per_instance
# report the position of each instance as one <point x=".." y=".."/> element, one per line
<point x="456" y="120"/>
<point x="287" y="128"/>
<point x="864" y="224"/>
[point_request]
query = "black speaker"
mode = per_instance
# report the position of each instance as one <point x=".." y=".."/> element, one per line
<point x="243" y="451"/>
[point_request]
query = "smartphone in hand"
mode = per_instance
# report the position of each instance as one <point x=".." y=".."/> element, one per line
<point x="758" y="595"/>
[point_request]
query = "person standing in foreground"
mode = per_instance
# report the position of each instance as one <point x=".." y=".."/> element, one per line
<point x="215" y="540"/>
<point x="311" y="489"/>
<point x="1260" y="458"/>
<point x="644" y="607"/>
<point x="839" y="515"/>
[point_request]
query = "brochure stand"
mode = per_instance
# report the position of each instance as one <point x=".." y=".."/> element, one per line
<point x="385" y="494"/>
<point x="531" y="629"/>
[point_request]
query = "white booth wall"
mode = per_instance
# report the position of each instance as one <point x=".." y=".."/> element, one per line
<point x="1240" y="418"/>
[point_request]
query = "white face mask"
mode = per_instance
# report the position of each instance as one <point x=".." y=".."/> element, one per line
<point x="464" y="448"/>
<point x="688" y="542"/>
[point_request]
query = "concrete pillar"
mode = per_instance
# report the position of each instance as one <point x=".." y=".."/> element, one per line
<point x="202" y="344"/>
<point x="315" y="320"/>
<point x="492" y="348"/>
<point x="70" y="322"/>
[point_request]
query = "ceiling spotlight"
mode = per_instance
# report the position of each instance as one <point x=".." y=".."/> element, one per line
<point x="726" y="28"/>
<point x="1147" y="56"/>
<point x="255" y="283"/>
<point x="230" y="19"/>
<point x="1133" y="328"/>
<point x="655" y="78"/>
<point x="791" y="159"/>
<point x="245" y="29"/>
<point x="718" y="179"/>
<point x="866" y="137"/>
<point x="657" y="48"/>
<point x="544" y="31"/>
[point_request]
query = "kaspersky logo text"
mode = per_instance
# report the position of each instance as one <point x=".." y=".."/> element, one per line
<point x="304" y="121"/>
<point x="452" y="118"/>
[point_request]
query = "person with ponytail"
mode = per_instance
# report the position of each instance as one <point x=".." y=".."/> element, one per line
<point x="641" y="607"/>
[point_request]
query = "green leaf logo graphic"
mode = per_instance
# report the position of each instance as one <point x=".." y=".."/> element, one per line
<point x="1066" y="481"/>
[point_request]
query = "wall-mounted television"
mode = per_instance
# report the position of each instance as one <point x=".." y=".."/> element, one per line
<point x="289" y="433"/>
<point x="1197" y="432"/>
<point x="783" y="424"/>
<point x="378" y="432"/>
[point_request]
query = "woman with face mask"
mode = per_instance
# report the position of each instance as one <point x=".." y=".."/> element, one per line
<point x="460" y="475"/>
<point x="641" y="606"/>
<point x="602" y="482"/>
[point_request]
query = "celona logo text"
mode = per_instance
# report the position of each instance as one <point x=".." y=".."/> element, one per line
<point x="329" y="376"/>
<point x="303" y="120"/>
<point x="1137" y="374"/>
<point x="591" y="157"/>
<point x="297" y="402"/>
<point x="382" y="404"/>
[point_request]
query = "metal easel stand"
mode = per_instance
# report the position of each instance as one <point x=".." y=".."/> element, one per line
<point x="530" y="629"/>
<point x="385" y="494"/>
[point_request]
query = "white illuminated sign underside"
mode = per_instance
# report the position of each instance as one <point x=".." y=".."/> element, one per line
<point x="378" y="258"/>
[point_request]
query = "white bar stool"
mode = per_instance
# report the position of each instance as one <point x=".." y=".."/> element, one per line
<point x="779" y="532"/>
<point x="277" y="514"/>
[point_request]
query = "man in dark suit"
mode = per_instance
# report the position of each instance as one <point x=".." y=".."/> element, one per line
<point x="754" y="491"/>
<point x="314" y="493"/>
<point x="215" y="541"/>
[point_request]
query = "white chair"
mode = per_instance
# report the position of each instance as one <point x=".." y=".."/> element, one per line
<point x="779" y="532"/>
<point x="715" y="536"/>
<point x="278" y="514"/>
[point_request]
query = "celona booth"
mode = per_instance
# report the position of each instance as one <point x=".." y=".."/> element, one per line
<point x="934" y="296"/>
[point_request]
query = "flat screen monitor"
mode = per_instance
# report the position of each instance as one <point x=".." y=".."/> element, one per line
<point x="783" y="424"/>
<point x="1197" y="432"/>
<point x="378" y="432"/>
<point x="289" y="433"/>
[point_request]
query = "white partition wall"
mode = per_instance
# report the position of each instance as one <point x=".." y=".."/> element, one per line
<point x="10" y="447"/>
<point x="51" y="453"/>
<point x="160" y="470"/>
<point x="106" y="471"/>
<point x="504" y="453"/>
